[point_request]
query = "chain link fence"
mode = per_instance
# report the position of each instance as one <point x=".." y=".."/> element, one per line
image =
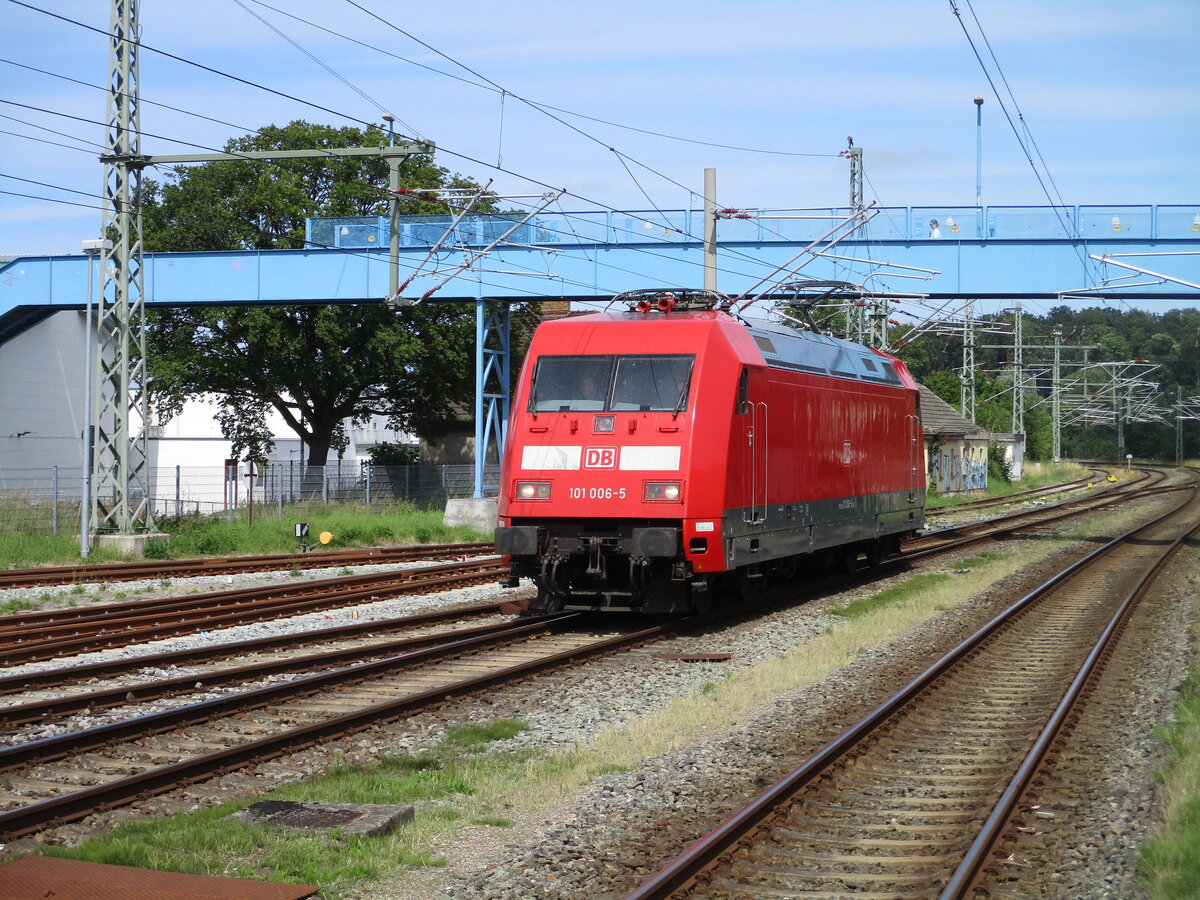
<point x="47" y="500"/>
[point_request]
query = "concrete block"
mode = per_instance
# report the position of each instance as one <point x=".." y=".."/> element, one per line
<point x="132" y="544"/>
<point x="478" y="512"/>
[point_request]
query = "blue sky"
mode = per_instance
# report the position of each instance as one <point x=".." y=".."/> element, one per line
<point x="1109" y="90"/>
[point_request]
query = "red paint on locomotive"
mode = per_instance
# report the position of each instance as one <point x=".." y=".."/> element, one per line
<point x="704" y="455"/>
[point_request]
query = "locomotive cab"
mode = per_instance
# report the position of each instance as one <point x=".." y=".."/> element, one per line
<point x="602" y="451"/>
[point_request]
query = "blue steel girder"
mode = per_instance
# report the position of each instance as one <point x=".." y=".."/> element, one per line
<point x="32" y="287"/>
<point x="493" y="344"/>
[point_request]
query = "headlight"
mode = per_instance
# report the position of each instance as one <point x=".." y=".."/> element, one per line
<point x="662" y="490"/>
<point x="533" y="490"/>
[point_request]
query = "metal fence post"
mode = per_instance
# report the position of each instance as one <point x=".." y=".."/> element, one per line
<point x="370" y="469"/>
<point x="178" y="492"/>
<point x="54" y="513"/>
<point x="325" y="484"/>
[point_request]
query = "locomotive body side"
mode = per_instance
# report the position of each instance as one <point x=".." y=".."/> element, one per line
<point x="837" y="460"/>
<point x="651" y="460"/>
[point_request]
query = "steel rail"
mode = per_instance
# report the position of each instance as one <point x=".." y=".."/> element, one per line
<point x="12" y="684"/>
<point x="974" y="863"/>
<point x="682" y="871"/>
<point x="42" y="710"/>
<point x="987" y="530"/>
<point x="987" y="501"/>
<point x="167" y="605"/>
<point x="37" y="648"/>
<point x="101" y="572"/>
<point x="57" y="747"/>
<point x="36" y="711"/>
<point x="23" y="647"/>
<point x="79" y="804"/>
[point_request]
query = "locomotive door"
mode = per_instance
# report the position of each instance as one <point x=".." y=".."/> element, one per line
<point x="916" y="456"/>
<point x="756" y="438"/>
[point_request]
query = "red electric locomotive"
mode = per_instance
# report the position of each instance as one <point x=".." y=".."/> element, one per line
<point x="659" y="456"/>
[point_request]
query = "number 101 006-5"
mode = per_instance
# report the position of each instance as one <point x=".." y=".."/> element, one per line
<point x="596" y="493"/>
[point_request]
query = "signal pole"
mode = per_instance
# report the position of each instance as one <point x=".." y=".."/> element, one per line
<point x="1056" y="398"/>
<point x="710" y="229"/>
<point x="856" y="175"/>
<point x="967" y="392"/>
<point x="1018" y="406"/>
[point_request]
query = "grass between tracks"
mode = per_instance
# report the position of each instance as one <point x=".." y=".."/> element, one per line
<point x="350" y="527"/>
<point x="441" y="782"/>
<point x="1170" y="862"/>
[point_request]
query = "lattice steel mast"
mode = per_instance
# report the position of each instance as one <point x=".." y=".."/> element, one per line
<point x="122" y="495"/>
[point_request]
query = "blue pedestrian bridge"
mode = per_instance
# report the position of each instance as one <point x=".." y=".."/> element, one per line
<point x="1002" y="253"/>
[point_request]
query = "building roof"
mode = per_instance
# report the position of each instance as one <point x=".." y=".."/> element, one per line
<point x="939" y="417"/>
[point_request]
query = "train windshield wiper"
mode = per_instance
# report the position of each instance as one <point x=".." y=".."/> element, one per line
<point x="687" y="383"/>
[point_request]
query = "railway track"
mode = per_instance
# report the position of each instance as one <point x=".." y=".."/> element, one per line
<point x="66" y="778"/>
<point x="55" y="633"/>
<point x="88" y="688"/>
<point x="913" y="800"/>
<point x="1151" y="482"/>
<point x="61" y="632"/>
<point x="291" y="653"/>
<point x="178" y="568"/>
<point x="20" y="771"/>
<point x="949" y="508"/>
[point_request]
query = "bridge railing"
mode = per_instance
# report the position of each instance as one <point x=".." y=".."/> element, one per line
<point x="894" y="223"/>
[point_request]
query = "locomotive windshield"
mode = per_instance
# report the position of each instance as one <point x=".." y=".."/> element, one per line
<point x="589" y="383"/>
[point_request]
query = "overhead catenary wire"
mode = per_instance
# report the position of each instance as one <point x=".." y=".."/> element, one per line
<point x="444" y="149"/>
<point x="203" y="147"/>
<point x="328" y="68"/>
<point x="30" y="137"/>
<point x="62" y="134"/>
<point x="1066" y="226"/>
<point x="141" y="99"/>
<point x="55" y="187"/>
<point x="50" y="199"/>
<point x="484" y="85"/>
<point x="146" y="47"/>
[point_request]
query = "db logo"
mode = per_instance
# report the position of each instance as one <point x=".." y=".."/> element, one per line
<point x="600" y="458"/>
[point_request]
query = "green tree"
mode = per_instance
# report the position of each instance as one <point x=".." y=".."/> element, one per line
<point x="316" y="365"/>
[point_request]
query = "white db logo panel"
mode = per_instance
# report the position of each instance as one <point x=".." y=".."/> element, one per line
<point x="600" y="458"/>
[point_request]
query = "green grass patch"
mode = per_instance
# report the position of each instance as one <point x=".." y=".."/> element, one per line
<point x="983" y="558"/>
<point x="473" y="737"/>
<point x="914" y="587"/>
<point x="442" y="784"/>
<point x="12" y="607"/>
<point x="192" y="536"/>
<point x="1169" y="864"/>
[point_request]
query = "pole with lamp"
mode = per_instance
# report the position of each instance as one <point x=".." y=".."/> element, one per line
<point x="90" y="250"/>
<point x="979" y="161"/>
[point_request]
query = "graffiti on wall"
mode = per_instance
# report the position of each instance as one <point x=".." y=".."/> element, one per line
<point x="955" y="469"/>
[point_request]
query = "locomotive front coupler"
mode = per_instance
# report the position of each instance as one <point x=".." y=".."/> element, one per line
<point x="595" y="551"/>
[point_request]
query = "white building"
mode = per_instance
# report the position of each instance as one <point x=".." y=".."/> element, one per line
<point x="42" y="420"/>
